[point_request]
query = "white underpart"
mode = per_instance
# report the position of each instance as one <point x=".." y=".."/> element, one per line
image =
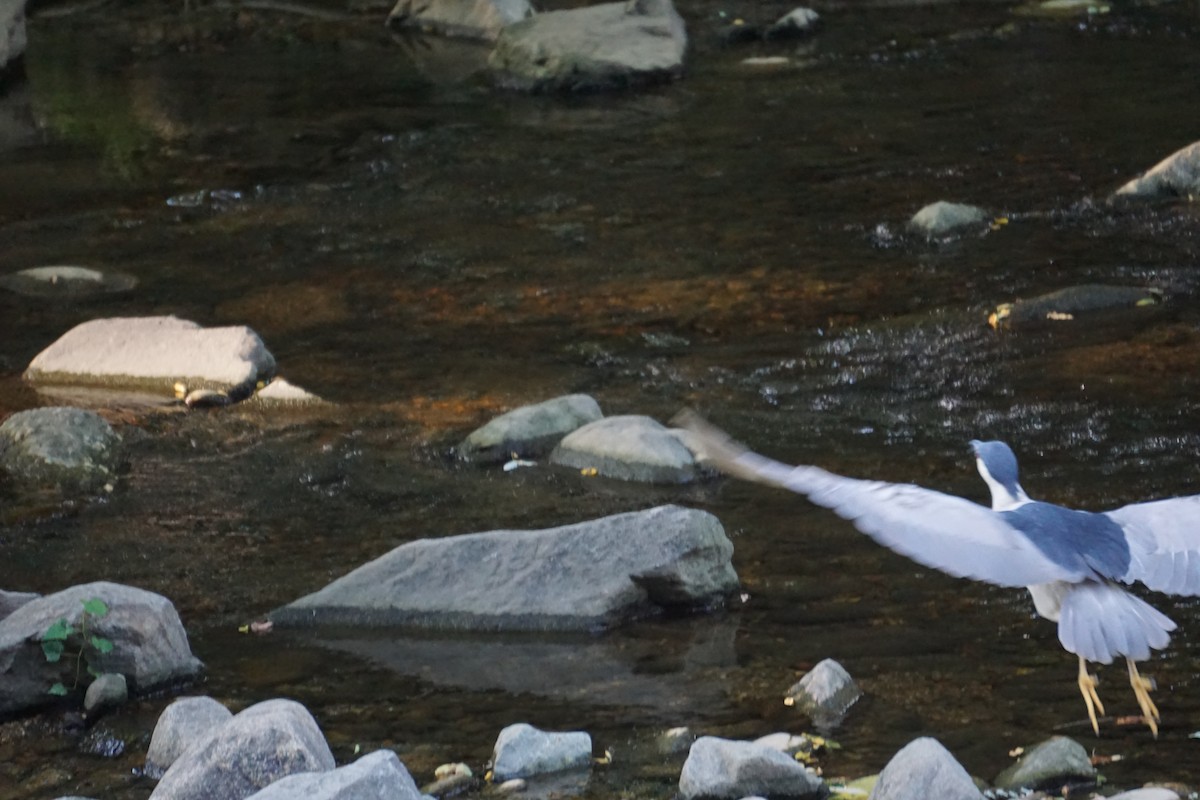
<point x="1002" y="498"/>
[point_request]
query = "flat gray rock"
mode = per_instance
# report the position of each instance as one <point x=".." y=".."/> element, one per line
<point x="1047" y="763"/>
<point x="1064" y="304"/>
<point x="375" y="776"/>
<point x="607" y="46"/>
<point x="825" y="693"/>
<point x="66" y="281"/>
<point x="184" y="722"/>
<point x="153" y="354"/>
<point x="150" y="647"/>
<point x="924" y="769"/>
<point x="531" y="430"/>
<point x="1177" y="175"/>
<point x="941" y="218"/>
<point x="266" y="742"/>
<point x="470" y="19"/>
<point x="723" y="769"/>
<point x="522" y="751"/>
<point x="632" y="448"/>
<point x="65" y="448"/>
<point x="577" y="577"/>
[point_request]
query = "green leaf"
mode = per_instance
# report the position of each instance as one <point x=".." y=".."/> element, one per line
<point x="58" y="690"/>
<point x="59" y="631"/>
<point x="101" y="644"/>
<point x="96" y="607"/>
<point x="95" y="673"/>
<point x="53" y="650"/>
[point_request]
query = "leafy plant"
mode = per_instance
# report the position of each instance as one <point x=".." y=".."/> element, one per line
<point x="62" y="635"/>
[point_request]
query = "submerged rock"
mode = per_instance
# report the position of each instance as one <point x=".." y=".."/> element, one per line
<point x="607" y="46"/>
<point x="577" y="577"/>
<point x="375" y="776"/>
<point x="1049" y="763"/>
<point x="281" y="392"/>
<point x="522" y="751"/>
<point x="179" y="725"/>
<point x="797" y="22"/>
<point x="530" y="430"/>
<point x="722" y="769"/>
<point x="66" y="281"/>
<point x="825" y="693"/>
<point x="266" y="742"/>
<point x="149" y="645"/>
<point x="12" y="32"/>
<point x="923" y="769"/>
<point x="154" y="354"/>
<point x="632" y="448"/>
<point x="941" y="218"/>
<point x="1177" y="175"/>
<point x="1064" y="304"/>
<point x="470" y="19"/>
<point x="61" y="448"/>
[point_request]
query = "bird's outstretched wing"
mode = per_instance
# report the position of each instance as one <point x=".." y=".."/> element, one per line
<point x="938" y="530"/>
<point x="1164" y="543"/>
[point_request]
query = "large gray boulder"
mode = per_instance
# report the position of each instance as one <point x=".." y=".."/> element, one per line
<point x="522" y="751"/>
<point x="1177" y="175"/>
<point x="154" y="355"/>
<point x="612" y="45"/>
<point x="61" y="448"/>
<point x="11" y="601"/>
<point x="576" y="577"/>
<point x="922" y="769"/>
<point x="150" y="647"/>
<point x="632" y="448"/>
<point x="182" y="723"/>
<point x="723" y="769"/>
<point x="1048" y="763"/>
<point x="266" y="742"/>
<point x="530" y="430"/>
<point x="12" y="31"/>
<point x="470" y="19"/>
<point x="375" y="776"/>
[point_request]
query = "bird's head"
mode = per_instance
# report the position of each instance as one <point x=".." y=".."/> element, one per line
<point x="998" y="466"/>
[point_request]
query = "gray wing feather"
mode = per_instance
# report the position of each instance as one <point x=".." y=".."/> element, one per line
<point x="1164" y="543"/>
<point x="938" y="530"/>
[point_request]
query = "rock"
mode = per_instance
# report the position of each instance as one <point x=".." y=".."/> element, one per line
<point x="923" y="769"/>
<point x="150" y="647"/>
<point x="11" y="601"/>
<point x="266" y="742"/>
<point x="179" y="725"/>
<point x="281" y="392"/>
<point x="721" y="768"/>
<point x="940" y="218"/>
<point x="632" y="448"/>
<point x="471" y="19"/>
<point x="107" y="691"/>
<point x="154" y="354"/>
<point x="375" y="776"/>
<point x="674" y="740"/>
<point x="68" y="449"/>
<point x="1147" y="793"/>
<point x="529" y="431"/>
<point x="825" y="693"/>
<point x="797" y="22"/>
<point x="1064" y="304"/>
<point x="12" y="32"/>
<point x="576" y="577"/>
<point x="522" y="751"/>
<point x="1177" y="175"/>
<point x="1049" y="763"/>
<point x="607" y="46"/>
<point x="66" y="281"/>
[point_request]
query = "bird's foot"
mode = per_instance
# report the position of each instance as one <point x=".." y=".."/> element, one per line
<point x="1087" y="687"/>
<point x="1141" y="690"/>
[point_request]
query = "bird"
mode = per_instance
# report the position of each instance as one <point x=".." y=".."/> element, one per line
<point x="1074" y="563"/>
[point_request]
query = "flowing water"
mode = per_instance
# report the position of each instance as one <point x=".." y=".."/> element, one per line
<point x="426" y="252"/>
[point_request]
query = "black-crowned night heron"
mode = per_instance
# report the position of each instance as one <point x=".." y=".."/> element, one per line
<point x="1072" y="562"/>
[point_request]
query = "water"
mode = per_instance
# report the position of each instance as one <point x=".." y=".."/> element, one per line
<point x="427" y="252"/>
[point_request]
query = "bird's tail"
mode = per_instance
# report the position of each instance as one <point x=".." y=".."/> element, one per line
<point x="1100" y="621"/>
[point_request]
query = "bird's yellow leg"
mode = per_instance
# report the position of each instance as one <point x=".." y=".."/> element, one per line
<point x="1087" y="686"/>
<point x="1141" y="690"/>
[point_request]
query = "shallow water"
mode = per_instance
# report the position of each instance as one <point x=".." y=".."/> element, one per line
<point x="427" y="252"/>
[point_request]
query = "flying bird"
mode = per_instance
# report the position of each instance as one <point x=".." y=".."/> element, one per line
<point x="1074" y="563"/>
